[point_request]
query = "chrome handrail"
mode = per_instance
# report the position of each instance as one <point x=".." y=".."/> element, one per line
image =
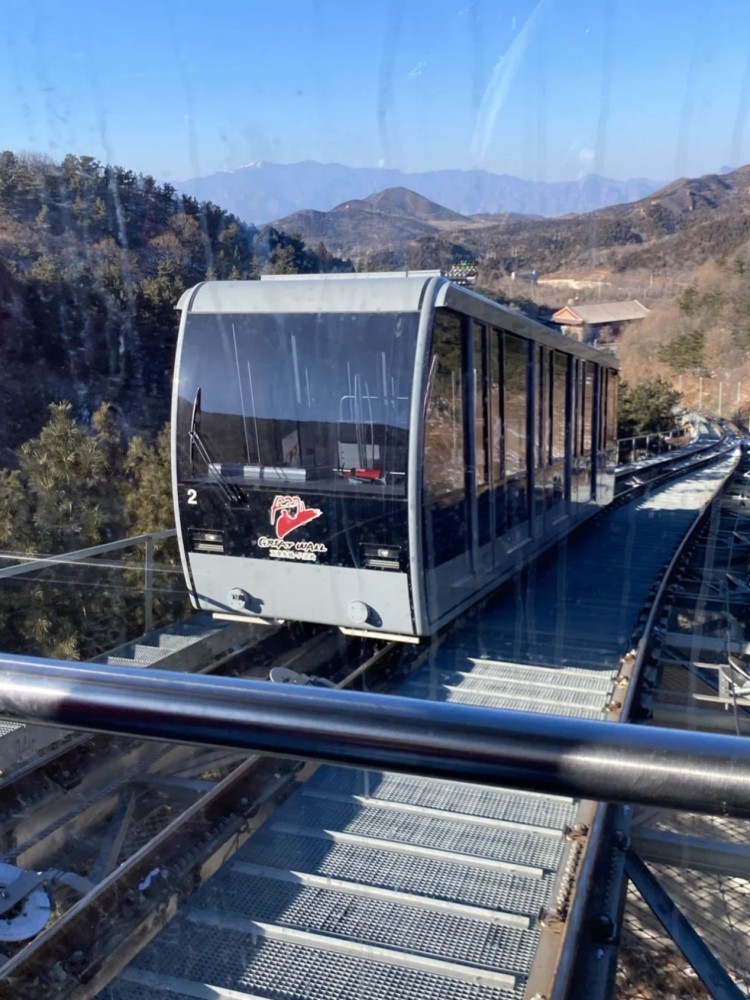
<point x="701" y="772"/>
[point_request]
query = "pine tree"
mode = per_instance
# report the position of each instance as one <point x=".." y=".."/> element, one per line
<point x="64" y="497"/>
<point x="646" y="408"/>
<point x="148" y="493"/>
<point x="68" y="474"/>
<point x="147" y="499"/>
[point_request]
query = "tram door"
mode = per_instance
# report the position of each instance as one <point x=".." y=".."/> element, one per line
<point x="499" y="442"/>
<point x="461" y="468"/>
<point x="551" y="479"/>
<point x="481" y="448"/>
<point x="447" y="502"/>
<point x="476" y="500"/>
<point x="585" y="438"/>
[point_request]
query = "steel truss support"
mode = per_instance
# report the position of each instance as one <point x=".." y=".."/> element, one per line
<point x="693" y="947"/>
<point x="719" y="857"/>
<point x="114" y="838"/>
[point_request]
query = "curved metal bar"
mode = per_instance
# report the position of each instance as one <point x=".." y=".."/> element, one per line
<point x="544" y="753"/>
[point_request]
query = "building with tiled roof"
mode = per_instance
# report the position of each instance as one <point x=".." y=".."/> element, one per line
<point x="588" y="323"/>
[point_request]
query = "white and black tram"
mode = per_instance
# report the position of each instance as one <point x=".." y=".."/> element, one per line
<point x="376" y="452"/>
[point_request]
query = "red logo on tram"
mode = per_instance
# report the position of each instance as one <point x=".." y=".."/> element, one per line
<point x="290" y="513"/>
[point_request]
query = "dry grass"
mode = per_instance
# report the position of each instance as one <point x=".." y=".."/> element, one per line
<point x="652" y="969"/>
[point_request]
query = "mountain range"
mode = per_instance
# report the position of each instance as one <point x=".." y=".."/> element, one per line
<point x="260" y="192"/>
<point x="671" y="230"/>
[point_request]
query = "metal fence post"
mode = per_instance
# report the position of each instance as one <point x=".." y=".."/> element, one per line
<point x="148" y="586"/>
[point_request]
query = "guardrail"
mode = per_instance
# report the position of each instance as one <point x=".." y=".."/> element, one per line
<point x="639" y="446"/>
<point x="658" y="468"/>
<point x="544" y="753"/>
<point x="34" y="563"/>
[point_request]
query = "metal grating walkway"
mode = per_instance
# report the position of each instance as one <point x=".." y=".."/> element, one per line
<point x="367" y="885"/>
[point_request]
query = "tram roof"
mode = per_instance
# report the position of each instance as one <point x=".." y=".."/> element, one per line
<point x="321" y="293"/>
<point x="377" y="292"/>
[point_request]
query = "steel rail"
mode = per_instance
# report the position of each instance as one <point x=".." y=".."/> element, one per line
<point x="643" y="651"/>
<point x="18" y="786"/>
<point x="702" y="772"/>
<point x="669" y="466"/>
<point x="39" y="955"/>
<point x="244" y="811"/>
<point x="632" y="672"/>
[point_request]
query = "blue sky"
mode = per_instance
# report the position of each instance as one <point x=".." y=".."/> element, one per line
<point x="544" y="89"/>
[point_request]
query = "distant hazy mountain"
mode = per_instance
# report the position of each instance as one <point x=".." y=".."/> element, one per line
<point x="260" y="192"/>
<point x="390" y="217"/>
<point x="402" y="201"/>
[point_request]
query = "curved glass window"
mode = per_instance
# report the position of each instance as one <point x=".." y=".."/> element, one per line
<point x="311" y="399"/>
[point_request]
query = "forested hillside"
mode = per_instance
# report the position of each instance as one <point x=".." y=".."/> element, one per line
<point x="700" y="340"/>
<point x="92" y="262"/>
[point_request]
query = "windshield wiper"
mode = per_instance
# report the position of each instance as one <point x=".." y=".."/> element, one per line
<point x="232" y="494"/>
<point x="195" y="421"/>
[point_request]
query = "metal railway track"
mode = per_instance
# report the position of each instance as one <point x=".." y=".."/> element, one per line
<point x="366" y="884"/>
<point x="691" y="868"/>
<point x="94" y="800"/>
<point x="486" y="913"/>
<point x="58" y="786"/>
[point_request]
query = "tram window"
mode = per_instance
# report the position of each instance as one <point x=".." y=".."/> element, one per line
<point x="516" y="362"/>
<point x="580" y="408"/>
<point x="542" y="429"/>
<point x="578" y="465"/>
<point x="586" y="376"/>
<point x="479" y="367"/>
<point x="558" y="431"/>
<point x="543" y="401"/>
<point x="497" y="465"/>
<point x="320" y="399"/>
<point x="444" y="455"/>
<point x="610" y="442"/>
<point x="481" y="432"/>
<point x="561" y="363"/>
<point x="575" y="407"/>
<point x="589" y="372"/>
<point x="551" y="429"/>
<point x="550" y="409"/>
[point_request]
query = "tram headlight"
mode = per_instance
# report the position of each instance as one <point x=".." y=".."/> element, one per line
<point x="203" y="540"/>
<point x="376" y="556"/>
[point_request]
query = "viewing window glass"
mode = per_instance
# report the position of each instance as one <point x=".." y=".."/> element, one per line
<point x="320" y="400"/>
<point x="516" y="429"/>
<point x="444" y="448"/>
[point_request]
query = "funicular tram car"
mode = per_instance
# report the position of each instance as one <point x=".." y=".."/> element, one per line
<point x="376" y="452"/>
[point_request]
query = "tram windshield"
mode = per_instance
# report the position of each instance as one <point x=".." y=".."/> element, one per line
<point x="319" y="400"/>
